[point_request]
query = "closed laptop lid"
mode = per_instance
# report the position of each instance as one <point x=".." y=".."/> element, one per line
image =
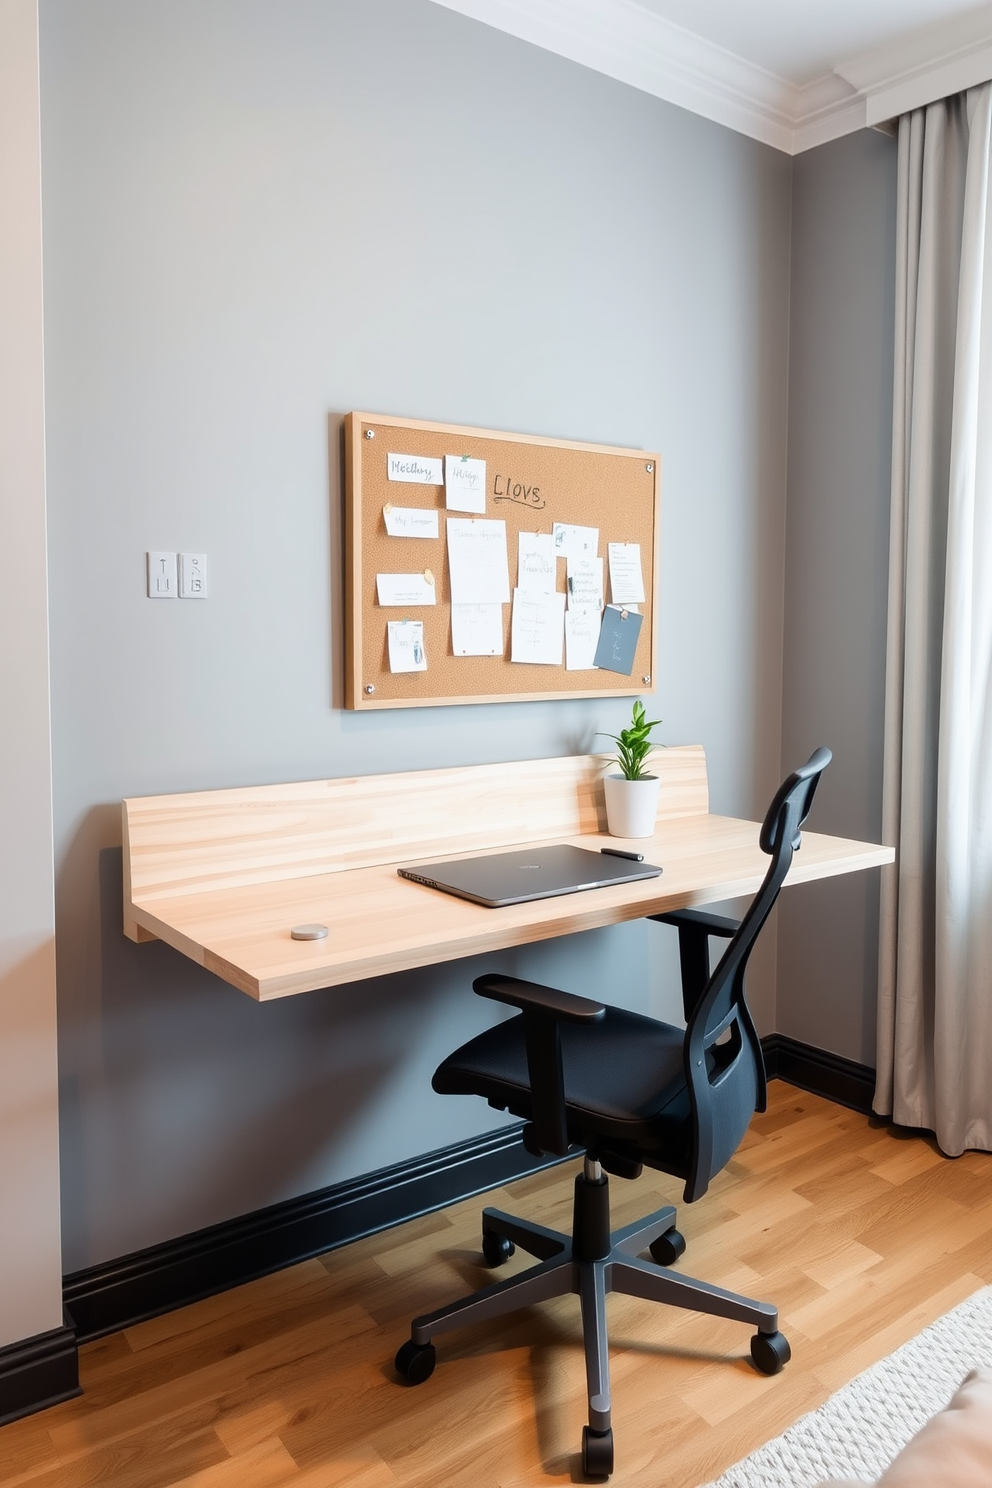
<point x="541" y="872"/>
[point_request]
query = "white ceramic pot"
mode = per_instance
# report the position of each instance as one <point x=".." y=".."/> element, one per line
<point x="631" y="805"/>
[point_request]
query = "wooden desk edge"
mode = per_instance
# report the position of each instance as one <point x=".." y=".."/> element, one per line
<point x="578" y="913"/>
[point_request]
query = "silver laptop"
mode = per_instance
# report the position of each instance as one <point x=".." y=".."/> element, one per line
<point x="527" y="873"/>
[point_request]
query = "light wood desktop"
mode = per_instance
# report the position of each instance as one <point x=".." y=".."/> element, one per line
<point x="223" y="876"/>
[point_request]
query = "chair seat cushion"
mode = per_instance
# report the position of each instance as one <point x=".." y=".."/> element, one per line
<point x="623" y="1076"/>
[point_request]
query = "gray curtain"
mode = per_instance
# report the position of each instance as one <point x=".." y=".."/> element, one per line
<point x="935" y="963"/>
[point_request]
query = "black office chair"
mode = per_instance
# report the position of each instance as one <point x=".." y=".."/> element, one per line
<point x="629" y="1090"/>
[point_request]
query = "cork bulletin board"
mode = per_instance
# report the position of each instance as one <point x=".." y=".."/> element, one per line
<point x="530" y="484"/>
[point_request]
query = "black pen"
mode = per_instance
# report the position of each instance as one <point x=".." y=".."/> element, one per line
<point x="616" y="852"/>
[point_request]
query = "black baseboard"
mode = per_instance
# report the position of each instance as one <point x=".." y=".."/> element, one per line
<point x="830" y="1075"/>
<point x="119" y="1293"/>
<point x="37" y="1372"/>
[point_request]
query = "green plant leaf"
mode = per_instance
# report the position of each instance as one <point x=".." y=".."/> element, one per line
<point x="634" y="743"/>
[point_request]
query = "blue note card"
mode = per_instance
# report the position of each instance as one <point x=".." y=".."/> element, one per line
<point x="618" y="640"/>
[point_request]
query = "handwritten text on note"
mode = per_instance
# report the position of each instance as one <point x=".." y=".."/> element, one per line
<point x="418" y="470"/>
<point x="409" y="521"/>
<point x="406" y="589"/>
<point x="477" y="561"/>
<point x="465" y="484"/>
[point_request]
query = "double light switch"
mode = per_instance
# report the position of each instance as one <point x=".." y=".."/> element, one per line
<point x="177" y="574"/>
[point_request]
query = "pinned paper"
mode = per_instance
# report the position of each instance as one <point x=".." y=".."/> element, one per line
<point x="626" y="580"/>
<point x="575" y="542"/>
<point x="409" y="521"/>
<point x="406" y="589"/>
<point x="477" y="629"/>
<point x="536" y="629"/>
<point x="405" y="639"/>
<point x="618" y="640"/>
<point x="537" y="565"/>
<point x="585" y="583"/>
<point x="582" y="628"/>
<point x="477" y="561"/>
<point x="418" y="470"/>
<point x="464" y="484"/>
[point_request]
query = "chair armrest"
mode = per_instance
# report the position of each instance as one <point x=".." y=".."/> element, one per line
<point x="711" y="923"/>
<point x="544" y="1009"/>
<point x="520" y="994"/>
<point x="695" y="926"/>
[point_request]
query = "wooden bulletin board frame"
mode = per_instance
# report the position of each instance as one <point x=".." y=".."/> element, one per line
<point x="530" y="483"/>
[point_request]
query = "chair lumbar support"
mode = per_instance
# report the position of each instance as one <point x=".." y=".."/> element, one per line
<point x="628" y="1091"/>
<point x="591" y="1262"/>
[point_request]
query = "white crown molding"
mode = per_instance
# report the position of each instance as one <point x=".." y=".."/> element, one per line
<point x="828" y="108"/>
<point x="625" y="41"/>
<point x="927" y="64"/>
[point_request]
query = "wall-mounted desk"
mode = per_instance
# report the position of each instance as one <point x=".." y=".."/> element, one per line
<point x="223" y="875"/>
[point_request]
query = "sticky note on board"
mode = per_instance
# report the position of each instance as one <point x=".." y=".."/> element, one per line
<point x="537" y="565"/>
<point x="417" y="470"/>
<point x="585" y="583"/>
<point x="536" y="627"/>
<point x="409" y="521"/>
<point x="477" y="629"/>
<point x="465" y="484"/>
<point x="405" y="639"/>
<point x="406" y="589"/>
<point x="582" y="630"/>
<point x="572" y="541"/>
<point x="626" y="580"/>
<point x="477" y="567"/>
<point x="618" y="640"/>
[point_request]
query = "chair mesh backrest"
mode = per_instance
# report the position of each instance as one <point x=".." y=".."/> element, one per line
<point x="724" y="1068"/>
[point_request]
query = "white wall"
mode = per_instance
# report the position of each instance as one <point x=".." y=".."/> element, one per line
<point x="30" y="1260"/>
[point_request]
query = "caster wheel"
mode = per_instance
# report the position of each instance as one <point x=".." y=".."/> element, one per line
<point x="667" y="1248"/>
<point x="770" y="1352"/>
<point x="597" y="1453"/>
<point x="496" y="1248"/>
<point x="415" y="1362"/>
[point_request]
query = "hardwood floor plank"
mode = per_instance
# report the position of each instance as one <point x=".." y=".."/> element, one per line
<point x="861" y="1235"/>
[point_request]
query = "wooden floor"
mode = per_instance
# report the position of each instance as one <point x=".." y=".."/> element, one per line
<point x="861" y="1234"/>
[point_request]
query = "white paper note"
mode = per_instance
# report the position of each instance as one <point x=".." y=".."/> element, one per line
<point x="581" y="639"/>
<point x="419" y="470"/>
<point x="575" y="542"/>
<point x="477" y="629"/>
<point x="464" y="484"/>
<point x="406" y="589"/>
<point x="585" y="583"/>
<point x="626" y="582"/>
<point x="477" y="561"/>
<point x="536" y="629"/>
<point x="537" y="566"/>
<point x="409" y="521"/>
<point x="406" y="645"/>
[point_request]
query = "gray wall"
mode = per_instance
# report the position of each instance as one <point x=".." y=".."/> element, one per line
<point x="259" y="213"/>
<point x="840" y="426"/>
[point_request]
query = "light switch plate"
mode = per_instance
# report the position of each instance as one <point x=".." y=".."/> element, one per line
<point x="192" y="575"/>
<point x="161" y="575"/>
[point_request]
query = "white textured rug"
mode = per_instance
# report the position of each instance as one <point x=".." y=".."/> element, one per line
<point x="858" y="1431"/>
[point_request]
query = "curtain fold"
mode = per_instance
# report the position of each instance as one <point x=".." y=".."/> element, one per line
<point x="935" y="959"/>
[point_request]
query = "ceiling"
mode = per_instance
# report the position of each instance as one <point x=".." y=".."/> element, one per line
<point x="793" y="73"/>
<point x="801" y="40"/>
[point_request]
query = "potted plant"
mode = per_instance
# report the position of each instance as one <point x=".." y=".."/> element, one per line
<point x="632" y="794"/>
